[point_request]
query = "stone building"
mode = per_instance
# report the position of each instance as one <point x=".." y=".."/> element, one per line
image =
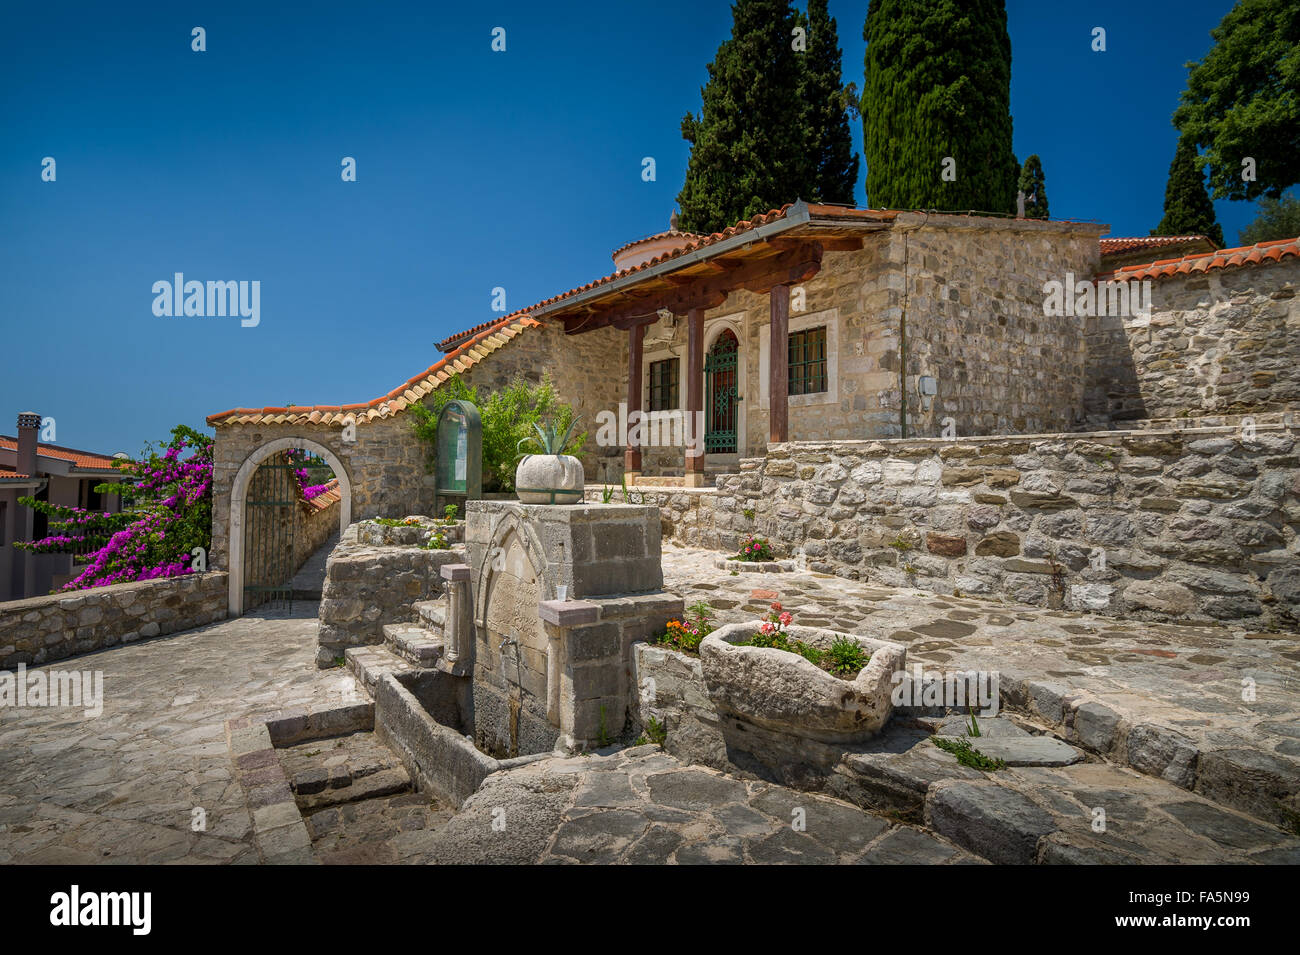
<point x="894" y="325"/>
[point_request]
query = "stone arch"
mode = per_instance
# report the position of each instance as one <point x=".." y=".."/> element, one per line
<point x="239" y="498"/>
<point x="508" y="526"/>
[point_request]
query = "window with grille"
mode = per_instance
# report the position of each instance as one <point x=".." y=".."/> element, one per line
<point x="663" y="385"/>
<point x="807" y="361"/>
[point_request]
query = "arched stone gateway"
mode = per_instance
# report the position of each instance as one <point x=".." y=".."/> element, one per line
<point x="239" y="501"/>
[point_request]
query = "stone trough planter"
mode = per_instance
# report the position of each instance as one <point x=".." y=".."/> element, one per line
<point x="784" y="693"/>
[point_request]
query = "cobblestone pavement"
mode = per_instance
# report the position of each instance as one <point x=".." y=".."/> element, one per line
<point x="1187" y="677"/>
<point x="122" y="787"/>
<point x="641" y="806"/>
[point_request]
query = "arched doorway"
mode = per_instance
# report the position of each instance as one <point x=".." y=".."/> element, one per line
<point x="722" y="394"/>
<point x="266" y="490"/>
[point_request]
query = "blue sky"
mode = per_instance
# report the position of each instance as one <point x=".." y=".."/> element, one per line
<point x="475" y="170"/>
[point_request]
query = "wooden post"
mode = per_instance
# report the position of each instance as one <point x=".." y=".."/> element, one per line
<point x="694" y="423"/>
<point x="632" y="457"/>
<point x="778" y="388"/>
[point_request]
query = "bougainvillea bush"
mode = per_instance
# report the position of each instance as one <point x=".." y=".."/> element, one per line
<point x="302" y="476"/>
<point x="166" y="513"/>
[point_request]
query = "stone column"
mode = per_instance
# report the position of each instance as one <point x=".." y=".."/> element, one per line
<point x="632" y="457"/>
<point x="694" y="426"/>
<point x="778" y="415"/>
<point x="460" y="617"/>
<point x="560" y="616"/>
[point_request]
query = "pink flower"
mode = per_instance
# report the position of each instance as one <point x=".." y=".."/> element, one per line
<point x="767" y="628"/>
<point x="786" y="618"/>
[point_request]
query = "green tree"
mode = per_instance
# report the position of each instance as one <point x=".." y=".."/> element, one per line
<point x="1277" y="219"/>
<point x="748" y="145"/>
<point x="1188" y="210"/>
<point x="1243" y="100"/>
<point x="938" y="86"/>
<point x="1034" y="185"/>
<point x="830" y="145"/>
<point x="507" y="416"/>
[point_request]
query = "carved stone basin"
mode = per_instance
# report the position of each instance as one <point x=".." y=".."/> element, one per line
<point x="785" y="693"/>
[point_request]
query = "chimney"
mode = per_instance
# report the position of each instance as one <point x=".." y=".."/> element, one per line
<point x="29" y="426"/>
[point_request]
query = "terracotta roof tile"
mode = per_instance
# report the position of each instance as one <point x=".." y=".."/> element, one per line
<point x="1258" y="254"/>
<point x="83" y="460"/>
<point x="1115" y="245"/>
<point x="400" y="398"/>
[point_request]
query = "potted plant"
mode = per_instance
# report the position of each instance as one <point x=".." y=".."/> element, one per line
<point x="805" y="681"/>
<point x="551" y="477"/>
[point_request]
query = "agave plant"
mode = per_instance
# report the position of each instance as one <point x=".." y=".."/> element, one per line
<point x="550" y="438"/>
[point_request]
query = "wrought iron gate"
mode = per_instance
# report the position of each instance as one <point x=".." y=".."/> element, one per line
<point x="268" y="535"/>
<point x="720" y="384"/>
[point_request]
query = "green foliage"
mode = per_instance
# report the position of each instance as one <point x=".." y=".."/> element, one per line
<point x="901" y="544"/>
<point x="655" y="730"/>
<point x="834" y="173"/>
<point x="1188" y="210"/>
<point x="606" y="493"/>
<point x="437" y="541"/>
<point x="846" y="657"/>
<point x="1033" y="183"/>
<point x="508" y="416"/>
<point x="938" y="84"/>
<point x="968" y="755"/>
<point x="1243" y="100"/>
<point x="449" y="513"/>
<point x="754" y="549"/>
<point x="973" y="727"/>
<point x="1277" y="219"/>
<point x="550" y="439"/>
<point x="773" y="125"/>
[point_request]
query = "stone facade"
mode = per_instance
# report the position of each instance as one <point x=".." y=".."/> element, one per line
<point x="1221" y="341"/>
<point x="43" y="629"/>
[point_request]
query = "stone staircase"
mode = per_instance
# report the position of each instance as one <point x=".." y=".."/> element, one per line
<point x="407" y="647"/>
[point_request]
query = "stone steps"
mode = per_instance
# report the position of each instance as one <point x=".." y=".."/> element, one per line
<point x="369" y="663"/>
<point x="385" y="782"/>
<point x="431" y="614"/>
<point x="414" y="643"/>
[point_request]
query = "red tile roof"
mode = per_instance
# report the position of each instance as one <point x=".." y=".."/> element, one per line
<point x="698" y="242"/>
<point x="81" y="460"/>
<point x="671" y="233"/>
<point x="461" y="359"/>
<point x="1116" y="245"/>
<point x="325" y="498"/>
<point x="1258" y="254"/>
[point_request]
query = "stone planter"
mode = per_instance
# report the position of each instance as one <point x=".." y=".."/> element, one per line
<point x="549" y="479"/>
<point x="784" y="693"/>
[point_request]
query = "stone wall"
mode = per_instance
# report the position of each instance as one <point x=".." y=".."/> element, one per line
<point x="1218" y="342"/>
<point x="43" y="629"/>
<point x="314" y="527"/>
<point x="1187" y="525"/>
<point x="388" y="466"/>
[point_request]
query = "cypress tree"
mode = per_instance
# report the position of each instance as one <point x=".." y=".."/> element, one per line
<point x="1034" y="185"/>
<point x="830" y="147"/>
<point x="938" y="85"/>
<point x="749" y="144"/>
<point x="1188" y="210"/>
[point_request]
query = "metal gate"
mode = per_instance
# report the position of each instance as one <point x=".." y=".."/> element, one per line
<point x="720" y="384"/>
<point x="268" y="535"/>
